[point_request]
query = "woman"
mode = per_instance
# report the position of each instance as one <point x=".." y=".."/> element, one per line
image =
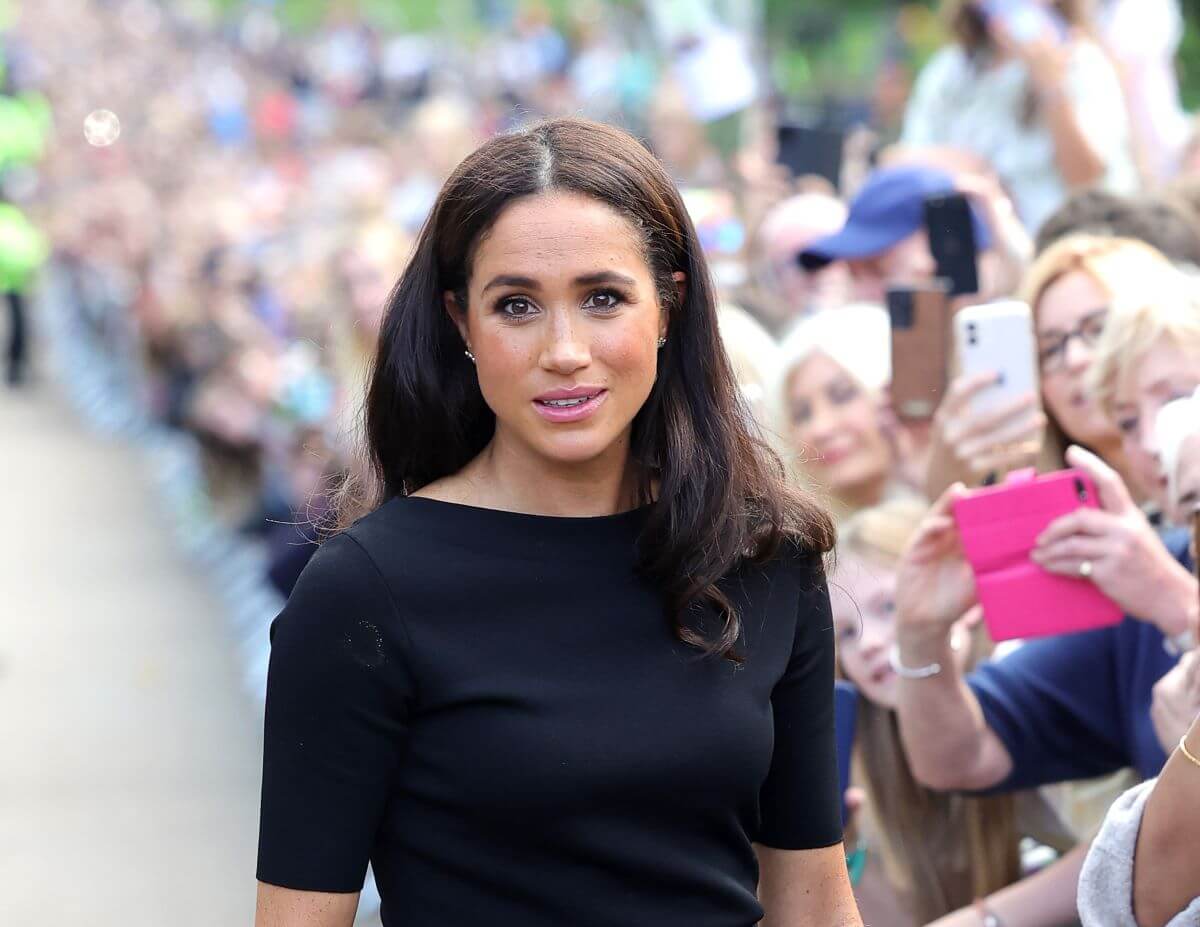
<point x="1070" y="287"/>
<point x="576" y="664"/>
<point x="1038" y="107"/>
<point x="1148" y="356"/>
<point x="926" y="853"/>
<point x="833" y="393"/>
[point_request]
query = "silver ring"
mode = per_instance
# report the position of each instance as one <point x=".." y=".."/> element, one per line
<point x="1085" y="569"/>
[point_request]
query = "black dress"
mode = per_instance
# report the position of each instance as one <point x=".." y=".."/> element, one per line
<point x="492" y="708"/>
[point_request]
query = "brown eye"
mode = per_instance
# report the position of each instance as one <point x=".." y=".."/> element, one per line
<point x="516" y="307"/>
<point x="603" y="301"/>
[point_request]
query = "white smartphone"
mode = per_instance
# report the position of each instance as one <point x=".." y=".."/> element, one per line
<point x="998" y="338"/>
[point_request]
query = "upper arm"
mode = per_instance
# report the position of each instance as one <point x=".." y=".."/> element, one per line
<point x="805" y="888"/>
<point x="799" y="801"/>
<point x="338" y="695"/>
<point x="286" y="907"/>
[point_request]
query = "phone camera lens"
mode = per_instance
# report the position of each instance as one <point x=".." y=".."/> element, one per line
<point x="1080" y="489"/>
<point x="972" y="334"/>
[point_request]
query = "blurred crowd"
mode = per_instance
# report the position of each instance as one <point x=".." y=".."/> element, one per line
<point x="229" y="203"/>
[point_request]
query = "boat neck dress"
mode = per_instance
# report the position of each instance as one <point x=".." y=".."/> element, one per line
<point x="493" y="710"/>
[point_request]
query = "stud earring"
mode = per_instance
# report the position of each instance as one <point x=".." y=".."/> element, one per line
<point x="662" y="342"/>
<point x="470" y="355"/>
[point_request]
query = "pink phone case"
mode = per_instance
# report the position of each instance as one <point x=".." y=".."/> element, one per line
<point x="999" y="527"/>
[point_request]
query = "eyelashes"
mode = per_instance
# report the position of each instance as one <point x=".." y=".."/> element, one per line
<point x="599" y="302"/>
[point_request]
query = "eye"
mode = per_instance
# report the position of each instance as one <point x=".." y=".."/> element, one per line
<point x="1127" y="426"/>
<point x="1050" y="350"/>
<point x="887" y="607"/>
<point x="516" y="307"/>
<point x="604" y="301"/>
<point x="842" y="392"/>
<point x="801" y="413"/>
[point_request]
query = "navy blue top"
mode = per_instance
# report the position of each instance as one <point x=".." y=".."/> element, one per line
<point x="1078" y="706"/>
<point x="494" y="709"/>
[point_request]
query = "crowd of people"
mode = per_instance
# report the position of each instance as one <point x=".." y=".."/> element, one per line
<point x="236" y="245"/>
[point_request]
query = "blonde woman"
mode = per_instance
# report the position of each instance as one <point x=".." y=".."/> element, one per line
<point x="837" y="422"/>
<point x="1071" y="288"/>
<point x="922" y="854"/>
<point x="1148" y="356"/>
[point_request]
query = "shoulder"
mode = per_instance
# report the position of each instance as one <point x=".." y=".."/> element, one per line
<point x="340" y="586"/>
<point x="949" y="63"/>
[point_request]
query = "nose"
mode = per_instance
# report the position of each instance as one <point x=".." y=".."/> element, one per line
<point x="565" y="350"/>
<point x="873" y="640"/>
<point x="1078" y="355"/>
<point x="1147" y="439"/>
<point x="822" y="425"/>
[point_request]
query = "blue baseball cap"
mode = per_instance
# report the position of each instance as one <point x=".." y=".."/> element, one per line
<point x="889" y="207"/>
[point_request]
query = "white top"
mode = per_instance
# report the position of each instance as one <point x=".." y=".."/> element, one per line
<point x="1106" y="883"/>
<point x="960" y="104"/>
<point x="1144" y="35"/>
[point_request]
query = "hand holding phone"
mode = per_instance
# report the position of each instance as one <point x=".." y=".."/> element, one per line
<point x="1000" y="527"/>
<point x="920" y="326"/>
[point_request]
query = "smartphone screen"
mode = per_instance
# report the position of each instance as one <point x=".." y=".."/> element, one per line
<point x="951" y="232"/>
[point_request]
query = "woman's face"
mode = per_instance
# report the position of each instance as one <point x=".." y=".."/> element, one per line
<point x="1164" y="372"/>
<point x="837" y="428"/>
<point x="863" y="596"/>
<point x="563" y="319"/>
<point x="1070" y="318"/>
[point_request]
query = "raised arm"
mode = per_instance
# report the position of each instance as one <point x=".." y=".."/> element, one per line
<point x="949" y="745"/>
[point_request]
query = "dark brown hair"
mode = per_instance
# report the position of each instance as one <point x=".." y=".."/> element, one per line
<point x="969" y="28"/>
<point x="1167" y="221"/>
<point x="722" y="494"/>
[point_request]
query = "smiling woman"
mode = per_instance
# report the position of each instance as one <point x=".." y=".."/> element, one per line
<point x="575" y="663"/>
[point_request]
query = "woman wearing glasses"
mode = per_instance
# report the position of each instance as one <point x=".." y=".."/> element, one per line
<point x="1070" y="288"/>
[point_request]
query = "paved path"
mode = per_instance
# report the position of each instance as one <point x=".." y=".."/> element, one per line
<point x="129" y="754"/>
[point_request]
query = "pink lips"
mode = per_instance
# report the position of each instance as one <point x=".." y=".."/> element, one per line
<point x="570" y="405"/>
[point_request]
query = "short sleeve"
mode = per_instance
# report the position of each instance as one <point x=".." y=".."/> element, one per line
<point x="799" y="801"/>
<point x="1053" y="703"/>
<point x="338" y="696"/>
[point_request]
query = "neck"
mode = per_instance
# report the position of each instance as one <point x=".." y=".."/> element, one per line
<point x="510" y="475"/>
<point x="862" y="496"/>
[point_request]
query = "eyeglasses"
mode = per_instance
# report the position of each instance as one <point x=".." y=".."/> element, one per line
<point x="1052" y="353"/>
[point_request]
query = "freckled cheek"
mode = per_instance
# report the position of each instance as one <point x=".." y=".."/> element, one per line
<point x="627" y="355"/>
<point x="504" y="365"/>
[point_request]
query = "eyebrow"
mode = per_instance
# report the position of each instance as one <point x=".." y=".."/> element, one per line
<point x="529" y="283"/>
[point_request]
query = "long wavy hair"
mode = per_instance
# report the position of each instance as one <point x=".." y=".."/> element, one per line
<point x="939" y="849"/>
<point x="717" y="494"/>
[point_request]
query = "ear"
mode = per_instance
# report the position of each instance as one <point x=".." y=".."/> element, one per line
<point x="457" y="315"/>
<point x="680" y="280"/>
